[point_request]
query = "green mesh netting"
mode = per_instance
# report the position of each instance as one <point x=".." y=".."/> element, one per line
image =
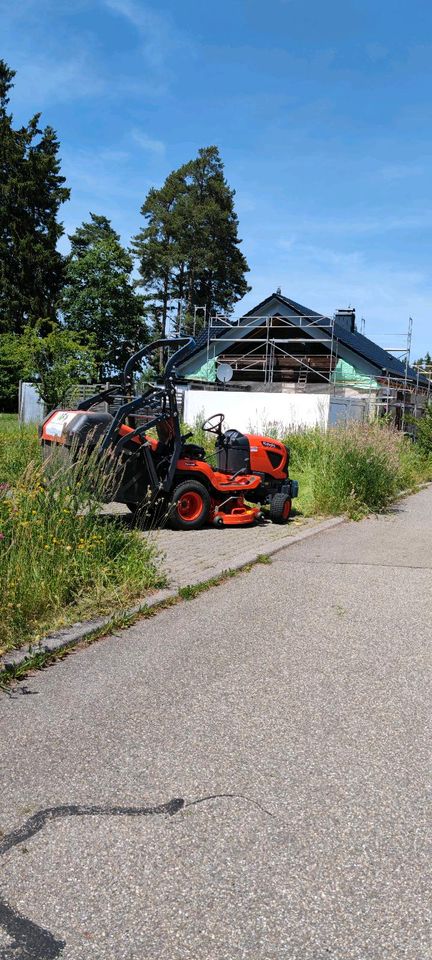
<point x="345" y="373"/>
<point x="206" y="372"/>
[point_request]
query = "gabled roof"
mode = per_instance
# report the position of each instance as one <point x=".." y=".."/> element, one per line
<point x="298" y="307"/>
<point x="361" y="345"/>
<point x="385" y="363"/>
<point x="216" y="330"/>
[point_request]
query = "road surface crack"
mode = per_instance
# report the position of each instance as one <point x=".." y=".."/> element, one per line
<point x="33" y="942"/>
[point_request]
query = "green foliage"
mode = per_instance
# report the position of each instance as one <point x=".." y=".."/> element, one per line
<point x="14" y="366"/>
<point x="425" y="362"/>
<point x="60" y="560"/>
<point x="157" y="247"/>
<point x="189" y="250"/>
<point x="59" y="361"/>
<point x="423" y="428"/>
<point x="31" y="193"/>
<point x="99" y="296"/>
<point x="18" y="446"/>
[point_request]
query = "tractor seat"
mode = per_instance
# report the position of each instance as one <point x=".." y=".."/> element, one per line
<point x="193" y="450"/>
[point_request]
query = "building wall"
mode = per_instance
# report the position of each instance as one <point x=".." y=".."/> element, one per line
<point x="323" y="388"/>
<point x="256" y="412"/>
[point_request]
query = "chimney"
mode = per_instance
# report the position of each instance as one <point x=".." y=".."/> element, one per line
<point x="346" y="318"/>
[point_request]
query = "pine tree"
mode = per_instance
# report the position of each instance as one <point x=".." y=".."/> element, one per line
<point x="31" y="193"/>
<point x="99" y="296"/>
<point x="215" y="266"/>
<point x="157" y="248"/>
<point x="189" y="251"/>
<point x="425" y="362"/>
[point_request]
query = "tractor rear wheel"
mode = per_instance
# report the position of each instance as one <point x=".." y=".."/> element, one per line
<point x="190" y="506"/>
<point x="280" y="508"/>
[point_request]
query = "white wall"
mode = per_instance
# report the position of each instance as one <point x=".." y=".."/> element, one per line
<point x="257" y="412"/>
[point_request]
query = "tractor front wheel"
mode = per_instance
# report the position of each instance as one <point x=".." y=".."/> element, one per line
<point x="280" y="508"/>
<point x="190" y="506"/>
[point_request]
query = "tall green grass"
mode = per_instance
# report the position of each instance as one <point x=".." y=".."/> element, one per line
<point x="60" y="559"/>
<point x="355" y="469"/>
<point x="18" y="445"/>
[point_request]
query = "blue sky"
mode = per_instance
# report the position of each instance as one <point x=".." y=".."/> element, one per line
<point x="322" y="113"/>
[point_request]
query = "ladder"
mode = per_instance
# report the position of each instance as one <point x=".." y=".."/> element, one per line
<point x="302" y="378"/>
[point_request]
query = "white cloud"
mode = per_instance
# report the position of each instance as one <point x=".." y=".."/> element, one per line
<point x="57" y="79"/>
<point x="57" y="60"/>
<point x="159" y="36"/>
<point x="157" y="147"/>
<point x="154" y="29"/>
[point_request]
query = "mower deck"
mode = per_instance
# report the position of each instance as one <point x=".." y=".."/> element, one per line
<point x="239" y="516"/>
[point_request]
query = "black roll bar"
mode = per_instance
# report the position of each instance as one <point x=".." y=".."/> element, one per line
<point x="179" y="355"/>
<point x="185" y="344"/>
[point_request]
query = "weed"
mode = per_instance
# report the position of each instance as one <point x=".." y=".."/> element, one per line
<point x="18" y="446"/>
<point x="354" y="469"/>
<point x="193" y="590"/>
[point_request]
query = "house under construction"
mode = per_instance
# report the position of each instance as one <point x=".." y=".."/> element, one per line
<point x="281" y="346"/>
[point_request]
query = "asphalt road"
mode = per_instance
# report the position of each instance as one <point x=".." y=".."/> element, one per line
<point x="243" y="776"/>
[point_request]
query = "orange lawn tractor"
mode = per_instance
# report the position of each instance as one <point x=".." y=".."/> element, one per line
<point x="167" y="475"/>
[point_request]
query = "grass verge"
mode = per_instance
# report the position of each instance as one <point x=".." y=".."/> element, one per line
<point x="124" y="619"/>
<point x="355" y="469"/>
<point x="60" y="560"/>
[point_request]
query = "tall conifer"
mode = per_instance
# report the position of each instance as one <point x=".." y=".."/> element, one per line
<point x="99" y="297"/>
<point x="31" y="193"/>
<point x="189" y="252"/>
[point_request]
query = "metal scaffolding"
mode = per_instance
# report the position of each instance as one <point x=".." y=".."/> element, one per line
<point x="253" y="359"/>
<point x="264" y="354"/>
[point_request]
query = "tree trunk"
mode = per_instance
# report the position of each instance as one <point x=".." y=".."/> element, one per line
<point x="165" y="298"/>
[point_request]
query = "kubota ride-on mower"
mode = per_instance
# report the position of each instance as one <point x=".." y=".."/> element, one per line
<point x="168" y="475"/>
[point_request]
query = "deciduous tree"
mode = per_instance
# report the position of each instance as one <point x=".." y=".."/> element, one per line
<point x="15" y="365"/>
<point x="58" y="362"/>
<point x="99" y="296"/>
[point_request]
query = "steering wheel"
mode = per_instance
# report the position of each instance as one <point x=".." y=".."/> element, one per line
<point x="214" y="427"/>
